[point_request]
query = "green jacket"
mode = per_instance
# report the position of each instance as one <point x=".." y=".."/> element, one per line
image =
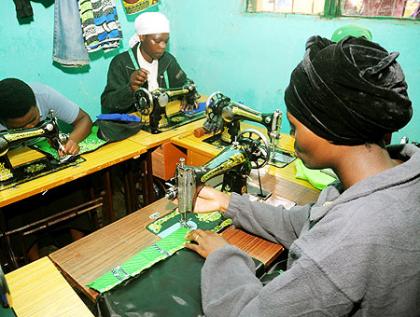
<point x="117" y="96"/>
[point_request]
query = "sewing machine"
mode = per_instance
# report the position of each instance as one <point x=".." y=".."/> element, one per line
<point x="153" y="107"/>
<point x="12" y="138"/>
<point x="223" y="120"/>
<point x="250" y="151"/>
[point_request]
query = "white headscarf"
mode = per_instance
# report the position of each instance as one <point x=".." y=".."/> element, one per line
<point x="149" y="23"/>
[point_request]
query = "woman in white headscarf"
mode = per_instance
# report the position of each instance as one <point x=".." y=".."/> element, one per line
<point x="146" y="64"/>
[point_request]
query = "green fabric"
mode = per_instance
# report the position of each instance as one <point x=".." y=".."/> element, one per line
<point x="161" y="250"/>
<point x="351" y="30"/>
<point x="171" y="288"/>
<point x="141" y="261"/>
<point x="89" y="144"/>
<point x="317" y="178"/>
<point x="209" y="221"/>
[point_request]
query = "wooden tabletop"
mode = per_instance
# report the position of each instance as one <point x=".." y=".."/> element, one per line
<point x="103" y="157"/>
<point x="85" y="260"/>
<point x="150" y="140"/>
<point x="39" y="290"/>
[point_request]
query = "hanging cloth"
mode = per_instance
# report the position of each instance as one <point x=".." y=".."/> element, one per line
<point x="100" y="25"/>
<point x="23" y="9"/>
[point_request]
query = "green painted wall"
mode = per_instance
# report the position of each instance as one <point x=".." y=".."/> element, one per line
<point x="248" y="57"/>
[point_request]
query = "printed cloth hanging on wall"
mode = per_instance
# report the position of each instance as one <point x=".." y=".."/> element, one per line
<point x="134" y="6"/>
<point x="100" y="25"/>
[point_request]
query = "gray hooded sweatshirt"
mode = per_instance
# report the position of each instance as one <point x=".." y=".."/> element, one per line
<point x="352" y="253"/>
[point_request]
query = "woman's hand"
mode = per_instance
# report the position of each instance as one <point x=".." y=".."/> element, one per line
<point x="137" y="79"/>
<point x="210" y="199"/>
<point x="206" y="242"/>
<point x="70" y="148"/>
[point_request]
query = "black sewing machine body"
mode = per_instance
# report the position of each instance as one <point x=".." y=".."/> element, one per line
<point x="223" y="120"/>
<point x="235" y="162"/>
<point x="10" y="175"/>
<point x="152" y="107"/>
<point x="224" y="116"/>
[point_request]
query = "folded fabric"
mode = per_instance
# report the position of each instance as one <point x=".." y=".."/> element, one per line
<point x="119" y="117"/>
<point x="317" y="178"/>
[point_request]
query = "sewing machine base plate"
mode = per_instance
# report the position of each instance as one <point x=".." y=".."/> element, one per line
<point x="34" y="169"/>
<point x="176" y="120"/>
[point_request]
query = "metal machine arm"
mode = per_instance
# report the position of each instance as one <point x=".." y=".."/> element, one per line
<point x="224" y="115"/>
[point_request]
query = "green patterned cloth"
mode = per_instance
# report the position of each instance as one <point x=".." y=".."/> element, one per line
<point x="171" y="242"/>
<point x="141" y="261"/>
<point x="89" y="144"/>
<point x="213" y="221"/>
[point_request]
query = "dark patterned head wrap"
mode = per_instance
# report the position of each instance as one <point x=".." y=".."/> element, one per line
<point x="351" y="92"/>
<point x="16" y="98"/>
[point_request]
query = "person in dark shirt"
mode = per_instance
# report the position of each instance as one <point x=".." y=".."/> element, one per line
<point x="146" y="64"/>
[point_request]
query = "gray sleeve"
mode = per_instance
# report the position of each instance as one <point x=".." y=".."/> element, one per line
<point x="49" y="99"/>
<point x="276" y="224"/>
<point x="230" y="288"/>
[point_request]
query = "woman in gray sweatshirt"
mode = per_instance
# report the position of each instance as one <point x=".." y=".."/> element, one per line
<point x="356" y="251"/>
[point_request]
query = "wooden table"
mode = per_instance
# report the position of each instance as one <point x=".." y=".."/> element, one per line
<point x="97" y="161"/>
<point x="39" y="290"/>
<point x="108" y="155"/>
<point x="85" y="260"/>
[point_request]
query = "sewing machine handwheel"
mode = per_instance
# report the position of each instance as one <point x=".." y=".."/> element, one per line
<point x="258" y="147"/>
<point x="214" y="98"/>
<point x="144" y="101"/>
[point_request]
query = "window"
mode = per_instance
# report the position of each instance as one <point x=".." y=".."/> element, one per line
<point x="384" y="8"/>
<point x="315" y="7"/>
<point x="409" y="9"/>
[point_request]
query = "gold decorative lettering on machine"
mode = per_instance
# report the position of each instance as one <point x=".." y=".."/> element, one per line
<point x="250" y="151"/>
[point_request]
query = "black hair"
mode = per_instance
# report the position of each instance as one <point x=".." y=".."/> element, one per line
<point x="16" y="98"/>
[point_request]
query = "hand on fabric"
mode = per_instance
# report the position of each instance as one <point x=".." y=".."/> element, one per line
<point x="185" y="107"/>
<point x="70" y="148"/>
<point x="206" y="242"/>
<point x="138" y="78"/>
<point x="210" y="199"/>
